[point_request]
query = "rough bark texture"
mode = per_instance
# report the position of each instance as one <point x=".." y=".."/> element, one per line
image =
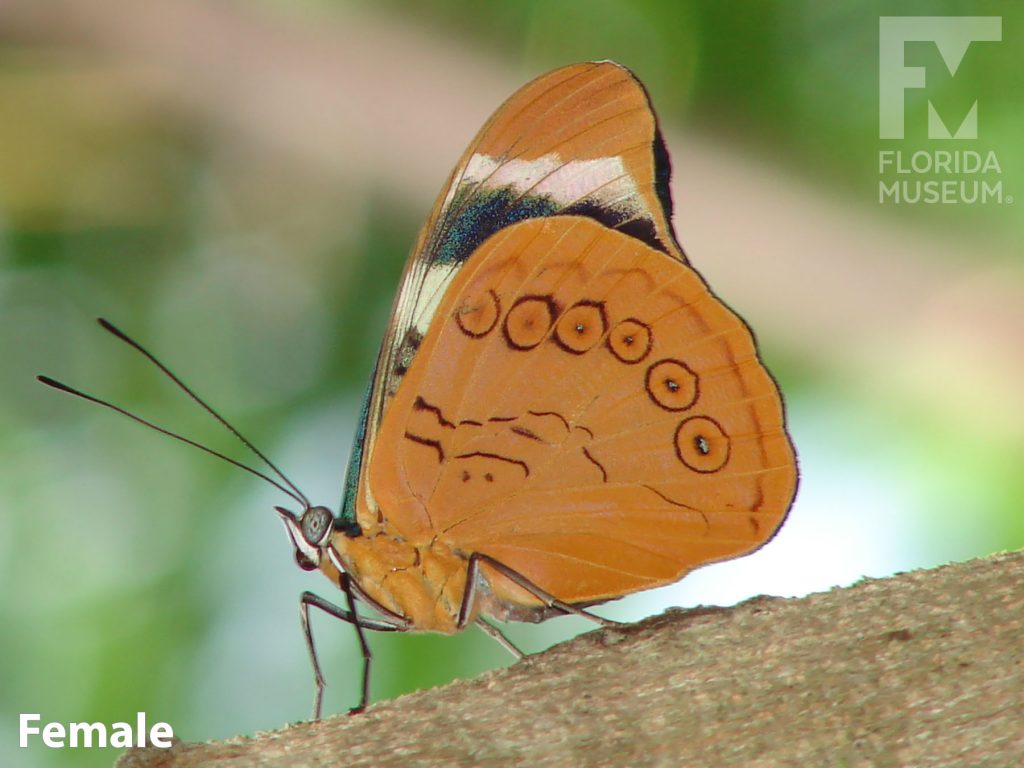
<point x="921" y="669"/>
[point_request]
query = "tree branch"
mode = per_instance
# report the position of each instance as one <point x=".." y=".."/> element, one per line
<point x="924" y="668"/>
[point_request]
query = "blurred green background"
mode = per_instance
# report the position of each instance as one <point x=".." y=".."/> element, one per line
<point x="238" y="184"/>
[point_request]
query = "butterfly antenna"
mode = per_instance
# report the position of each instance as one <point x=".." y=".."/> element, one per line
<point x="113" y="329"/>
<point x="77" y="393"/>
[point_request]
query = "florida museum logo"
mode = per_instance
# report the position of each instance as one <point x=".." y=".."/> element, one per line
<point x="943" y="171"/>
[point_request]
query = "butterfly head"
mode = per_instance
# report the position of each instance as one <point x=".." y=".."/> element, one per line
<point x="310" y="534"/>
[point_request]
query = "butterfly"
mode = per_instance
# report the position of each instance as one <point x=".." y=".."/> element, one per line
<point x="562" y="412"/>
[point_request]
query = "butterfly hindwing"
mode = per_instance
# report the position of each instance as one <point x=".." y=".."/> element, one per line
<point x="585" y="411"/>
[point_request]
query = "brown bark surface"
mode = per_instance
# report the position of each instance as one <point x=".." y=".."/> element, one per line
<point x="920" y="669"/>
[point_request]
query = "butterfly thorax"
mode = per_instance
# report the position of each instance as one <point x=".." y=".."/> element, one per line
<point x="423" y="583"/>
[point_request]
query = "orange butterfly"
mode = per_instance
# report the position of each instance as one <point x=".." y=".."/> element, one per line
<point x="562" y="413"/>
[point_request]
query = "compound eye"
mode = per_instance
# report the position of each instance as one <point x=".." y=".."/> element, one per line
<point x="317" y="524"/>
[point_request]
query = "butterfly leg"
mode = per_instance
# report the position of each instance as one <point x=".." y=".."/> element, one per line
<point x="472" y="580"/>
<point x="309" y="599"/>
<point x="498" y="635"/>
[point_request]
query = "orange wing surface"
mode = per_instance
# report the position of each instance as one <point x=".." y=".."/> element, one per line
<point x="558" y="390"/>
<point x="582" y="140"/>
<point x="586" y="412"/>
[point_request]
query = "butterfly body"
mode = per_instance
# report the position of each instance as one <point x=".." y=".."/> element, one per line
<point x="562" y="412"/>
<point x="423" y="582"/>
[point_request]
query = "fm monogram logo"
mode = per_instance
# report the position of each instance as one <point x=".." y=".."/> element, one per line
<point x="920" y="170"/>
<point x="952" y="35"/>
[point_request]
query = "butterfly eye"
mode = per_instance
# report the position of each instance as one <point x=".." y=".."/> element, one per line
<point x="317" y="524"/>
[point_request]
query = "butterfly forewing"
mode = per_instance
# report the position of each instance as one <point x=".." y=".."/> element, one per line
<point x="581" y="140"/>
